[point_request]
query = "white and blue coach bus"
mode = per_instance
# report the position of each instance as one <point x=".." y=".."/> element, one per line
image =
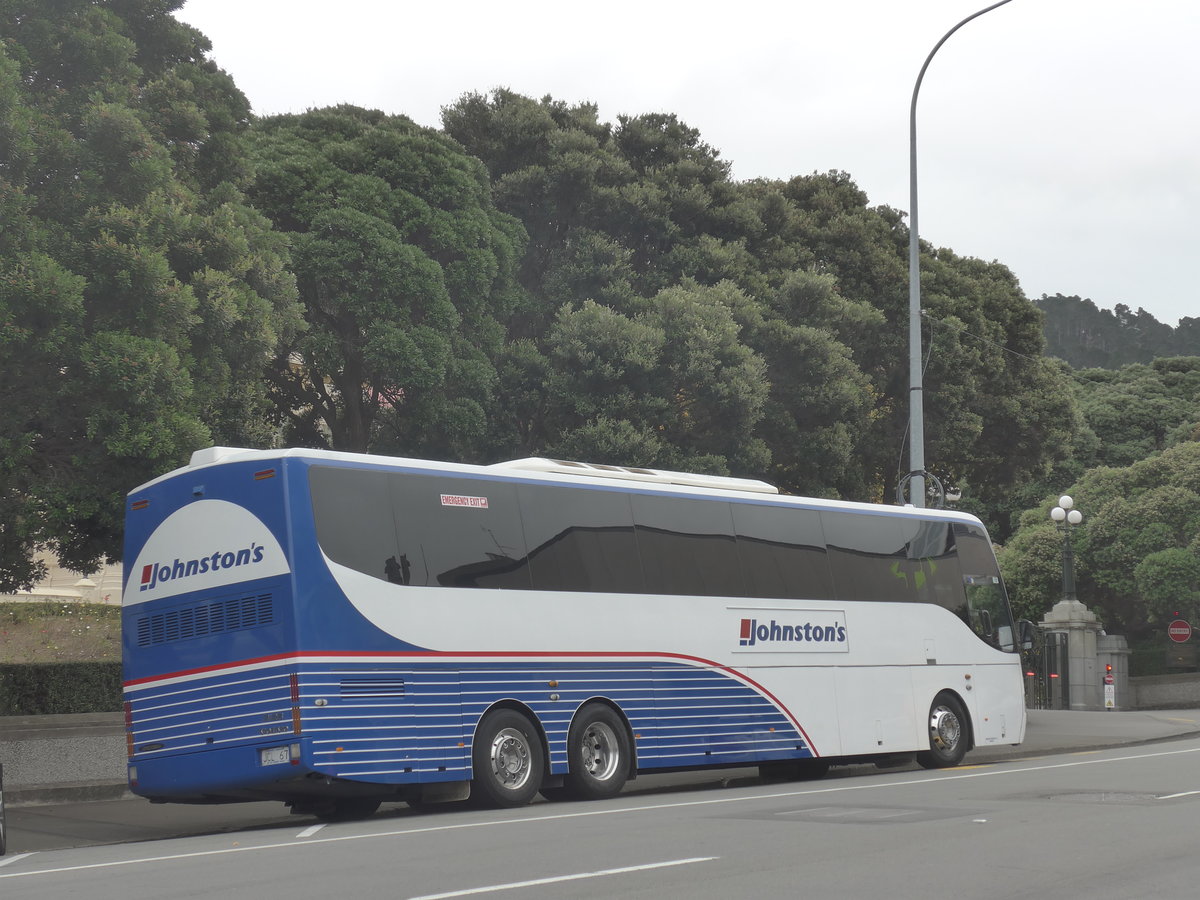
<point x="336" y="630"/>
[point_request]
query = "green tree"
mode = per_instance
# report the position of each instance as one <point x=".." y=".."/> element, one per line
<point x="998" y="414"/>
<point x="1139" y="410"/>
<point x="1086" y="336"/>
<point x="1137" y="551"/>
<point x="618" y="214"/>
<point x="140" y="296"/>
<point x="670" y="387"/>
<point x="818" y="414"/>
<point x="405" y="269"/>
<point x="613" y="212"/>
<point x="1168" y="581"/>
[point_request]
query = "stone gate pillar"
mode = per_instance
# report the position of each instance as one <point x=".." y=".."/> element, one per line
<point x="1079" y="623"/>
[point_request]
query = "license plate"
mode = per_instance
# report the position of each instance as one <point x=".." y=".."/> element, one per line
<point x="274" y="756"/>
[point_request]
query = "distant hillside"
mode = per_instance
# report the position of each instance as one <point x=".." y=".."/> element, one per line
<point x="1088" y="337"/>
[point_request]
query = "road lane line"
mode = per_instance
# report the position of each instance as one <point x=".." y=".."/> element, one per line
<point x="933" y="777"/>
<point x="13" y="859"/>
<point x="493" y="888"/>
<point x="311" y="830"/>
<point x="1181" y="794"/>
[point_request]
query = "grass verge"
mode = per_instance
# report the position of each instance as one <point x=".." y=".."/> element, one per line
<point x="46" y="631"/>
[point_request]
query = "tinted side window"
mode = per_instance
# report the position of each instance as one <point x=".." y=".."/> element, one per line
<point x="975" y="550"/>
<point x="353" y="517"/>
<point x="457" y="532"/>
<point x="580" y="539"/>
<point x="782" y="552"/>
<point x="868" y="556"/>
<point x="687" y="546"/>
<point x="933" y="566"/>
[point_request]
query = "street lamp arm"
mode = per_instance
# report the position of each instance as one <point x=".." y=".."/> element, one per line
<point x="916" y="422"/>
<point x="912" y="117"/>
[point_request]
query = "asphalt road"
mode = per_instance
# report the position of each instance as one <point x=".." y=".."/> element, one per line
<point x="1115" y="823"/>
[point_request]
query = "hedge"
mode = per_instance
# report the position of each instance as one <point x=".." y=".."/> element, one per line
<point x="39" y="689"/>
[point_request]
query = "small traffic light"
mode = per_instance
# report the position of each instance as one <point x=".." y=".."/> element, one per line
<point x="1107" y="669"/>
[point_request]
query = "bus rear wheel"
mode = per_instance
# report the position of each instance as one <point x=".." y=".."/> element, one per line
<point x="598" y="754"/>
<point x="507" y="759"/>
<point x="948" y="734"/>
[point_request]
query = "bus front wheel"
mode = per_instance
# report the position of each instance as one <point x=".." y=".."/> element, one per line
<point x="507" y="759"/>
<point x="948" y="734"/>
<point x="598" y="752"/>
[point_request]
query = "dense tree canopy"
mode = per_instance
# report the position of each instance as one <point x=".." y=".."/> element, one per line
<point x="1139" y="410"/>
<point x="405" y="269"/>
<point x="619" y="213"/>
<point x="1085" y="336"/>
<point x="1137" y="550"/>
<point x="528" y="280"/>
<point x="140" y="295"/>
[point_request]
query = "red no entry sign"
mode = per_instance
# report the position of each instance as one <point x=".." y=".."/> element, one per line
<point x="1179" y="631"/>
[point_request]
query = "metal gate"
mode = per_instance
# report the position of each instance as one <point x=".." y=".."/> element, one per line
<point x="1047" y="673"/>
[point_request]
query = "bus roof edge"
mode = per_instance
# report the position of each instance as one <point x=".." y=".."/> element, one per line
<point x="631" y="473"/>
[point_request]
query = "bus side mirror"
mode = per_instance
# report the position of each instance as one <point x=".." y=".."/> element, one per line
<point x="1025" y="633"/>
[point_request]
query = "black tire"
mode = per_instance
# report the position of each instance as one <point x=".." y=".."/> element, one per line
<point x="949" y="734"/>
<point x="507" y="760"/>
<point x="598" y="754"/>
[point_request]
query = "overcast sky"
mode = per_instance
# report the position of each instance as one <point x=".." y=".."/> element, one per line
<point x="1059" y="137"/>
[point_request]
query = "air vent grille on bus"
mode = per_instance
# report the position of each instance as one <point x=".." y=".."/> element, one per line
<point x="213" y="617"/>
<point x="371" y="688"/>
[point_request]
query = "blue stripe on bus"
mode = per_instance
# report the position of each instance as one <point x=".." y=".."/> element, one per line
<point x="412" y="721"/>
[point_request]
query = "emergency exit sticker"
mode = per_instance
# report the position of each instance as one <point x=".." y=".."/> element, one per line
<point x="463" y="500"/>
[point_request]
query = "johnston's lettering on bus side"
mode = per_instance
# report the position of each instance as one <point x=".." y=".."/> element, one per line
<point x="204" y="545"/>
<point x="799" y="631"/>
<point x="153" y="573"/>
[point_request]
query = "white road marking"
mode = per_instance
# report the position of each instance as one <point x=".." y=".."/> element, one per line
<point x="310" y="831"/>
<point x="13" y="859"/>
<point x="492" y="888"/>
<point x="1181" y="794"/>
<point x="931" y="778"/>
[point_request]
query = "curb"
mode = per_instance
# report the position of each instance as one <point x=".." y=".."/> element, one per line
<point x="69" y="792"/>
<point x="63" y="758"/>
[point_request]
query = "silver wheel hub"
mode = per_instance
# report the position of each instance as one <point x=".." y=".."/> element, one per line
<point x="510" y="759"/>
<point x="944" y="729"/>
<point x="601" y="751"/>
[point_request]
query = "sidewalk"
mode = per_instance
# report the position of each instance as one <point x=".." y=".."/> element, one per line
<point x="1065" y="731"/>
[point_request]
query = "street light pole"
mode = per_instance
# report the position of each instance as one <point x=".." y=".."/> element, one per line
<point x="1066" y="518"/>
<point x="916" y="420"/>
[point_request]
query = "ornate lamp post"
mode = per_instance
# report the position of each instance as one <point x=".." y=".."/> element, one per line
<point x="1066" y="517"/>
